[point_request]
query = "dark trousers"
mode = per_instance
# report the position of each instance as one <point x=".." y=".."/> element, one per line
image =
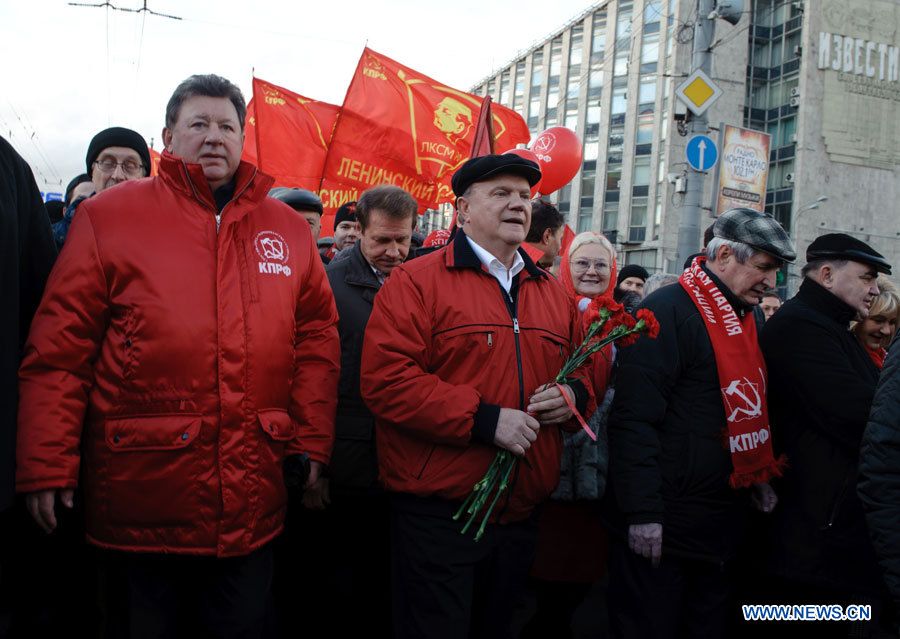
<point x="447" y="585"/>
<point x="155" y="596"/>
<point x="47" y="582"/>
<point x="678" y="599"/>
<point x="336" y="564"/>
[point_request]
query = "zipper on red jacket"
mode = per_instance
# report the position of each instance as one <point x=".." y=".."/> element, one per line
<point x="512" y="305"/>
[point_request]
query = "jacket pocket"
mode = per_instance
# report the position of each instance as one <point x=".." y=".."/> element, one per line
<point x="277" y="424"/>
<point x="153" y="470"/>
<point x="278" y="428"/>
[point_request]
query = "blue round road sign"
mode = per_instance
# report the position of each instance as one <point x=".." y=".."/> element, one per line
<point x="701" y="153"/>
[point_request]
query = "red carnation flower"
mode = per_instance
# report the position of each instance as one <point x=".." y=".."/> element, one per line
<point x="650" y="322"/>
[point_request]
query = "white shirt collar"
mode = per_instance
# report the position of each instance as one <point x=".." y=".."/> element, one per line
<point x="495" y="267"/>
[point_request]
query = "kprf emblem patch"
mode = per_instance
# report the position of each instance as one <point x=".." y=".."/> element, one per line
<point x="273" y="252"/>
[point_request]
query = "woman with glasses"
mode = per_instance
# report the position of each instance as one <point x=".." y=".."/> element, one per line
<point x="572" y="549"/>
<point x="876" y="331"/>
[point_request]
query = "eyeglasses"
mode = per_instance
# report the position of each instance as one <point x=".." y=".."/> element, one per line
<point x="582" y="265"/>
<point x="129" y="167"/>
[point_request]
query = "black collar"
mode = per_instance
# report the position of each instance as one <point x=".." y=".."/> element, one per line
<point x="464" y="256"/>
<point x="821" y="299"/>
<point x="224" y="194"/>
<point x="359" y="271"/>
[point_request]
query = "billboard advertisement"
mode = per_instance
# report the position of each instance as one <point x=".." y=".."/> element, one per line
<point x="743" y="169"/>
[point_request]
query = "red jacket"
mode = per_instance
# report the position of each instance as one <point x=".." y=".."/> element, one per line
<point x="441" y="355"/>
<point x="177" y="365"/>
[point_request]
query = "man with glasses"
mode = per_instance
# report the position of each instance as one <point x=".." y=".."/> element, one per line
<point x="114" y="155"/>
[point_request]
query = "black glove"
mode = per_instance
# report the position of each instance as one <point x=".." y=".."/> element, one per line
<point x="296" y="471"/>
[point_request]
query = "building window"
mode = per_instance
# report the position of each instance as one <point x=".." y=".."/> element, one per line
<point x="650" y="53"/>
<point x="519" y="94"/>
<point x="555" y="59"/>
<point x="504" y="88"/>
<point x="641" y="174"/>
<point x="647" y="94"/>
<point x="637" y="228"/>
<point x="619" y="102"/>
<point x="576" y="43"/>
<point x="610" y="215"/>
<point x="598" y="37"/>
<point x="645" y="258"/>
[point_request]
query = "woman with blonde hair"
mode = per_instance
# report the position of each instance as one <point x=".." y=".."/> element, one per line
<point x="572" y="550"/>
<point x="876" y="331"/>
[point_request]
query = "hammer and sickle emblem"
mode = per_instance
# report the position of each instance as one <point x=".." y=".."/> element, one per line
<point x="751" y="408"/>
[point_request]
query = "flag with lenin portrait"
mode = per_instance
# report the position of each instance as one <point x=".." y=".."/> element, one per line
<point x="398" y="126"/>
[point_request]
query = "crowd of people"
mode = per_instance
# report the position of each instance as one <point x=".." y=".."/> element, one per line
<point x="217" y="423"/>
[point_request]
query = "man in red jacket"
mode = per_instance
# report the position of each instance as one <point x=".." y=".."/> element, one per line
<point x="457" y="350"/>
<point x="185" y="346"/>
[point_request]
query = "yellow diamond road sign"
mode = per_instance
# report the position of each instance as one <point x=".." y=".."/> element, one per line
<point x="698" y="92"/>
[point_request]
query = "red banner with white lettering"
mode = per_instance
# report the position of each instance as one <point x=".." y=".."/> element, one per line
<point x="286" y="135"/>
<point x="400" y="127"/>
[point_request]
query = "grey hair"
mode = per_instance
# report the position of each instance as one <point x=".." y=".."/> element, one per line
<point x="815" y="265"/>
<point x="210" y="85"/>
<point x="742" y="252"/>
<point x="657" y="281"/>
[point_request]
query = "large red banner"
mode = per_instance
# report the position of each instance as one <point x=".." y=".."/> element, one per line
<point x="286" y="135"/>
<point x="401" y="127"/>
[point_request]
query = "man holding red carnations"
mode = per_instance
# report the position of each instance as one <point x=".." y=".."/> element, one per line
<point x="458" y="355"/>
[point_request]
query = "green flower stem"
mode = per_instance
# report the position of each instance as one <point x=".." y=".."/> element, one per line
<point x="479" y="486"/>
<point x="504" y="482"/>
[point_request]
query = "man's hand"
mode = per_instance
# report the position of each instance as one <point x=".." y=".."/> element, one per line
<point x="763" y="497"/>
<point x="316" y="496"/>
<point x="549" y="406"/>
<point x="646" y="541"/>
<point x="42" y="504"/>
<point x="515" y="431"/>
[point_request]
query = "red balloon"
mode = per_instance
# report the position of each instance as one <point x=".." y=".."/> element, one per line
<point x="559" y="151"/>
<point x="528" y="155"/>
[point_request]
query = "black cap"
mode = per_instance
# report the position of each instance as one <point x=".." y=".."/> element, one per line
<point x="297" y="199"/>
<point x="347" y="213"/>
<point x="632" y="270"/>
<point x="840" y="246"/>
<point x="487" y="166"/>
<point x="78" y="179"/>
<point x="118" y="136"/>
<point x="759" y="230"/>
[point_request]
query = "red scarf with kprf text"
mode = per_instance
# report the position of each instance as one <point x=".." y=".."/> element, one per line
<point x="742" y="379"/>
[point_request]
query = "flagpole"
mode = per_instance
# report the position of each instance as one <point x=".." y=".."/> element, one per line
<point x="259" y="163"/>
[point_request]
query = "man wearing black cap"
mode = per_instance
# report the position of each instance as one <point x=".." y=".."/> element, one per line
<point x="457" y="349"/>
<point x="306" y="203"/>
<point x="114" y="155"/>
<point x="346" y="227"/>
<point x="680" y="496"/>
<point x="822" y="384"/>
<point x="631" y="278"/>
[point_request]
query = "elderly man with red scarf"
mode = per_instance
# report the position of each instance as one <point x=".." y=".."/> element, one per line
<point x="690" y="444"/>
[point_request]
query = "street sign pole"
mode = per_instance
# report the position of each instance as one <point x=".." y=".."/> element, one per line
<point x="689" y="225"/>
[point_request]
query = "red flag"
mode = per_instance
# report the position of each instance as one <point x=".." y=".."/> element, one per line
<point x="154" y="162"/>
<point x="399" y="126"/>
<point x="483" y="144"/>
<point x="286" y="135"/>
<point x="568" y="236"/>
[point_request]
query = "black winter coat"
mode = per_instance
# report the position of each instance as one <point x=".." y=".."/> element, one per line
<point x="354" y="465"/>
<point x="669" y="462"/>
<point x="27" y="253"/>
<point x="879" y="471"/>
<point x="821" y="385"/>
